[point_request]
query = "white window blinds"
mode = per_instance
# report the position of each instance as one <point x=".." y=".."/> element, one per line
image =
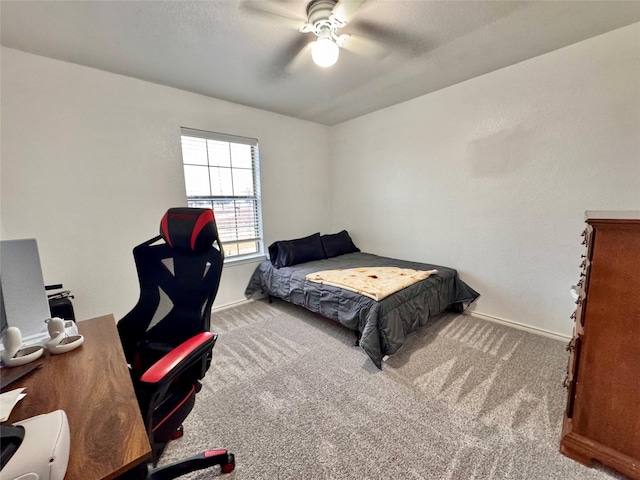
<point x="222" y="173"/>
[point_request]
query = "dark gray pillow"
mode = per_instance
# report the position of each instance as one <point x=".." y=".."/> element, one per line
<point x="273" y="253"/>
<point x="300" y="250"/>
<point x="338" y="244"/>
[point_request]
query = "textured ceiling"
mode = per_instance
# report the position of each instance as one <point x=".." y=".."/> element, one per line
<point x="220" y="49"/>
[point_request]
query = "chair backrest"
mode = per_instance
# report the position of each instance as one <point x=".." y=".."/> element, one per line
<point x="179" y="274"/>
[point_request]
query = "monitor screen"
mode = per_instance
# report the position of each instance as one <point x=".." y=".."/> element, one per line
<point x="24" y="298"/>
<point x="3" y="316"/>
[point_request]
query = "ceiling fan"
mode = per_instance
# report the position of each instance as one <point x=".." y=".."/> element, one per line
<point x="324" y="19"/>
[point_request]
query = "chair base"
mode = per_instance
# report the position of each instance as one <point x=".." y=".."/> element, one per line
<point x="203" y="460"/>
<point x="206" y="459"/>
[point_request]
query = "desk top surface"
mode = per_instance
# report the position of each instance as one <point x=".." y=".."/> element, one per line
<point x="92" y="385"/>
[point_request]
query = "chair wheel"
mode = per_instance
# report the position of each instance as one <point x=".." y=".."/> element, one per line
<point x="228" y="467"/>
<point x="178" y="433"/>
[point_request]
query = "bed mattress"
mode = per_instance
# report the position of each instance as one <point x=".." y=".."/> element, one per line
<point x="385" y="325"/>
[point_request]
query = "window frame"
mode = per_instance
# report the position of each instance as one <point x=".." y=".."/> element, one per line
<point x="211" y="199"/>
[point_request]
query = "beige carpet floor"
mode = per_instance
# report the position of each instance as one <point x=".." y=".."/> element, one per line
<point x="290" y="396"/>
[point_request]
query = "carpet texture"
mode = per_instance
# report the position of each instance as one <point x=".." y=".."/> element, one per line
<point x="290" y="396"/>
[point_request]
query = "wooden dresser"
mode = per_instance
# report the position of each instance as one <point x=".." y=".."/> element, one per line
<point x="602" y="418"/>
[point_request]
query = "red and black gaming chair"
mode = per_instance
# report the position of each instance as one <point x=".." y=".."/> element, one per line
<point x="166" y="337"/>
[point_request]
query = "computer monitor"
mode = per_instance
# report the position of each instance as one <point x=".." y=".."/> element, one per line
<point x="24" y="298"/>
<point x="3" y="316"/>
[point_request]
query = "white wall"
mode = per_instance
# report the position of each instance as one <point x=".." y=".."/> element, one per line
<point x="492" y="176"/>
<point x="91" y="161"/>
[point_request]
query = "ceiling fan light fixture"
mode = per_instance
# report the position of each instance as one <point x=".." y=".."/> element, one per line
<point x="325" y="52"/>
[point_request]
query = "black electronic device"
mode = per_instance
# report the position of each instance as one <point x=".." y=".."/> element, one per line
<point x="60" y="302"/>
<point x="10" y="375"/>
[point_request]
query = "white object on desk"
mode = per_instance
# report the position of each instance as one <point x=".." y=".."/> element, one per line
<point x="8" y="400"/>
<point x="64" y="344"/>
<point x="44" y="451"/>
<point x="14" y="355"/>
<point x="60" y="341"/>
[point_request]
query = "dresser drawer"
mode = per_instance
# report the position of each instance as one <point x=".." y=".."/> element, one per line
<point x="573" y="347"/>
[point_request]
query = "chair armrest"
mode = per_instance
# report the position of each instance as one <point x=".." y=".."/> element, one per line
<point x="180" y="358"/>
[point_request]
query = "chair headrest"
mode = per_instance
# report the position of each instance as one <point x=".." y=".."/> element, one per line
<point x="189" y="230"/>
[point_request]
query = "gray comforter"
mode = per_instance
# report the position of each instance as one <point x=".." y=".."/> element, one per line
<point x="384" y="325"/>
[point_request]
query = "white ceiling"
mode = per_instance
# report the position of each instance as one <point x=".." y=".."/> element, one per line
<point x="219" y="49"/>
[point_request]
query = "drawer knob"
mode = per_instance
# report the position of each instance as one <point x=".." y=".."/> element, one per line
<point x="571" y="345"/>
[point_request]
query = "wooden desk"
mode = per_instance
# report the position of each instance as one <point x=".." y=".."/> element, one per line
<point x="92" y="385"/>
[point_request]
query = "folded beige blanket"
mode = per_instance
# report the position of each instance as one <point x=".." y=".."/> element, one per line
<point x="374" y="282"/>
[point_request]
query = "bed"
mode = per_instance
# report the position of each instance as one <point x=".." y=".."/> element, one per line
<point x="384" y="325"/>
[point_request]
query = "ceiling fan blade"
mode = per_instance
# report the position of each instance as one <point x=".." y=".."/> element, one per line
<point x="344" y="9"/>
<point x="395" y="38"/>
<point x="272" y="12"/>
<point x="363" y="46"/>
<point x="302" y="59"/>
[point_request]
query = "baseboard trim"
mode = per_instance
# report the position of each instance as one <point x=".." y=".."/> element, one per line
<point x="231" y="304"/>
<point x="483" y="316"/>
<point x="519" y="326"/>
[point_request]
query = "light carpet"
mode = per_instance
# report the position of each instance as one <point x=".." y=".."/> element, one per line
<point x="292" y="398"/>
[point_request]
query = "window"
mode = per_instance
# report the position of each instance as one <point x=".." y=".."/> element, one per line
<point x="222" y="172"/>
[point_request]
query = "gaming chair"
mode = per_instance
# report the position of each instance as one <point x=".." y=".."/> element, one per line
<point x="166" y="337"/>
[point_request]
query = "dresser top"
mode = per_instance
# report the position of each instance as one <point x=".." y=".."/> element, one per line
<point x="613" y="215"/>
